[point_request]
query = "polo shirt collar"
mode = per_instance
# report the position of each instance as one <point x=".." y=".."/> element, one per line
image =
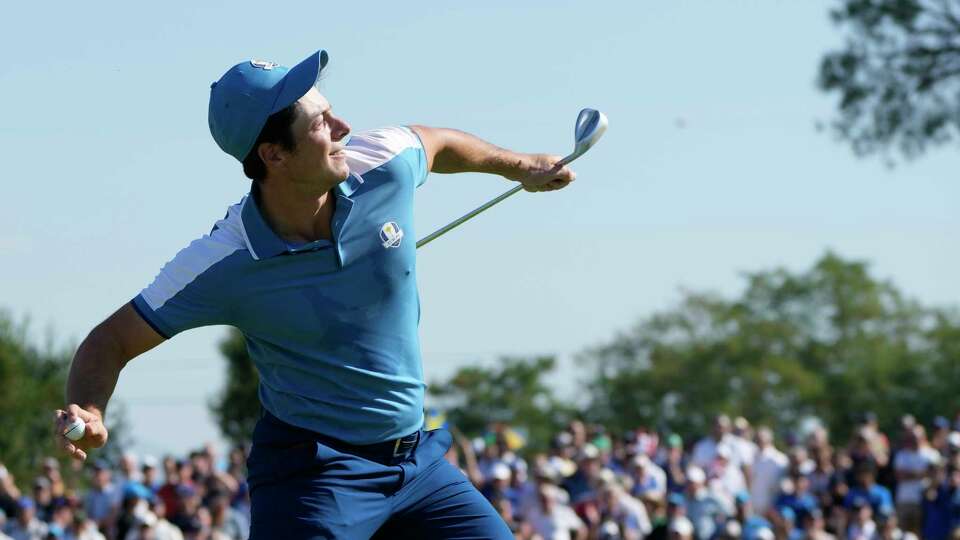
<point x="261" y="241"/>
<point x="350" y="185"/>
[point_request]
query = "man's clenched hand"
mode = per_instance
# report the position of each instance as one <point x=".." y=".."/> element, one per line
<point x="542" y="172"/>
<point x="94" y="436"/>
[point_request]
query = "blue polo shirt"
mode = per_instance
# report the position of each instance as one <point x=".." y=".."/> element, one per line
<point x="330" y="325"/>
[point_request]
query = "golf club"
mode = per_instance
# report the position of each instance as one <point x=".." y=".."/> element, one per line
<point x="590" y="126"/>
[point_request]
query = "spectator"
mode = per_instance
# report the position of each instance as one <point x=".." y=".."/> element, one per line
<point x="822" y="476"/>
<point x="862" y="526"/>
<point x="865" y="488"/>
<point x="938" y="438"/>
<point x="674" y="462"/>
<point x="9" y="494"/>
<point x="878" y="445"/>
<point x="43" y="499"/>
<point x="554" y="520"/>
<point x="937" y="500"/>
<point x="102" y="502"/>
<point x="51" y="471"/>
<point x="800" y="462"/>
<point x="163" y="529"/>
<point x="767" y="471"/>
<point x="26" y="526"/>
<point x="744" y="449"/>
<point x="188" y="506"/>
<point x="150" y="475"/>
<point x="754" y="527"/>
<point x="181" y="475"/>
<point x="827" y="492"/>
<point x="133" y="508"/>
<point x="498" y="484"/>
<point x="679" y="526"/>
<point x="726" y="478"/>
<point x="649" y="480"/>
<point x="704" y="510"/>
<point x="129" y="469"/>
<point x="814" y="527"/>
<point x="889" y="530"/>
<point x="705" y="451"/>
<point x="83" y="528"/>
<point x="799" y="499"/>
<point x="579" y="434"/>
<point x="226" y="521"/>
<point x="581" y="484"/>
<point x="911" y="464"/>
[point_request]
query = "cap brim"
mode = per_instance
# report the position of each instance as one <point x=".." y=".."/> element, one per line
<point x="300" y="79"/>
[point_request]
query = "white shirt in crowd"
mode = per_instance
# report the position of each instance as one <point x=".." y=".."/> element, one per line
<point x="653" y="481"/>
<point x="635" y="509"/>
<point x="914" y="461"/>
<point x="558" y="524"/>
<point x="725" y="483"/>
<point x="705" y="451"/>
<point x="768" y="468"/>
<point x="862" y="531"/>
<point x="744" y="450"/>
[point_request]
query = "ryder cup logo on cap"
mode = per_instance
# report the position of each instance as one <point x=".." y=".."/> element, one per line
<point x="262" y="64"/>
<point x="391" y="234"/>
<point x="249" y="92"/>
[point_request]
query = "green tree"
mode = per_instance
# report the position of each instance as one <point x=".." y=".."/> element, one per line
<point x="32" y="381"/>
<point x="897" y="75"/>
<point x="513" y="392"/>
<point x="237" y="406"/>
<point x="828" y="342"/>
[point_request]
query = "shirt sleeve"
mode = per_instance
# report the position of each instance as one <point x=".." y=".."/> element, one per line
<point x="396" y="148"/>
<point x="190" y="291"/>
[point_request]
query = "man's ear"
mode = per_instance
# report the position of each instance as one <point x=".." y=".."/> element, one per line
<point x="271" y="154"/>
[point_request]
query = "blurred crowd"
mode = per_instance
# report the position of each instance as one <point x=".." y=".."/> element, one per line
<point x="737" y="482"/>
<point x="200" y="497"/>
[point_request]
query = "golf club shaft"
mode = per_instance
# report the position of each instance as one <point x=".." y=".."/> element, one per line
<point x="441" y="231"/>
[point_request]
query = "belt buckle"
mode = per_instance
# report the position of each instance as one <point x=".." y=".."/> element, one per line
<point x="396" y="447"/>
<point x="403" y="445"/>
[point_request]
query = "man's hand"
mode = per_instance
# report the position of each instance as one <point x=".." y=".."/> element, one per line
<point x="94" y="436"/>
<point x="541" y="172"/>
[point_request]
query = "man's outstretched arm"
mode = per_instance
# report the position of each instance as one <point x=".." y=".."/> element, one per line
<point x="454" y="151"/>
<point x="94" y="372"/>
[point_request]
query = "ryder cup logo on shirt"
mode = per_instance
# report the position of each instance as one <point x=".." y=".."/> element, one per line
<point x="391" y="234"/>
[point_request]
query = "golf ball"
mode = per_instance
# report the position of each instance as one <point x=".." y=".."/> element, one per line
<point x="75" y="430"/>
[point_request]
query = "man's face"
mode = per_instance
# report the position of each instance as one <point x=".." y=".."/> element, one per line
<point x="101" y="477"/>
<point x="318" y="162"/>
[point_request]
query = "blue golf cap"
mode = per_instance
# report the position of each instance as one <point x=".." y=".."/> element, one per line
<point x="249" y="92"/>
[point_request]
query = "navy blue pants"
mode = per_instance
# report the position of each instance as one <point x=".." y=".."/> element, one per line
<point x="302" y="488"/>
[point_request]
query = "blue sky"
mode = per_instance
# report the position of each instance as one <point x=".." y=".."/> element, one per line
<point x="712" y="166"/>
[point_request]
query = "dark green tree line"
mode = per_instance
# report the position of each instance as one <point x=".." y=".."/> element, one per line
<point x="829" y="342"/>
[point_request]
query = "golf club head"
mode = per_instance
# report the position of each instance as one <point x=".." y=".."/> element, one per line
<point x="591" y="125"/>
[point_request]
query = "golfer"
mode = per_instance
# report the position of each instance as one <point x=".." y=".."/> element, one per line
<point x="316" y="266"/>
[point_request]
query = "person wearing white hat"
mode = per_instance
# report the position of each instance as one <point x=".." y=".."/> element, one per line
<point x="704" y="509"/>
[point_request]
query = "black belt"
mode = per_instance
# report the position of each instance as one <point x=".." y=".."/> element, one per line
<point x="388" y="452"/>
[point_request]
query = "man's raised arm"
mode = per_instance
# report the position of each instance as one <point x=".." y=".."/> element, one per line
<point x="94" y="373"/>
<point x="454" y="151"/>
